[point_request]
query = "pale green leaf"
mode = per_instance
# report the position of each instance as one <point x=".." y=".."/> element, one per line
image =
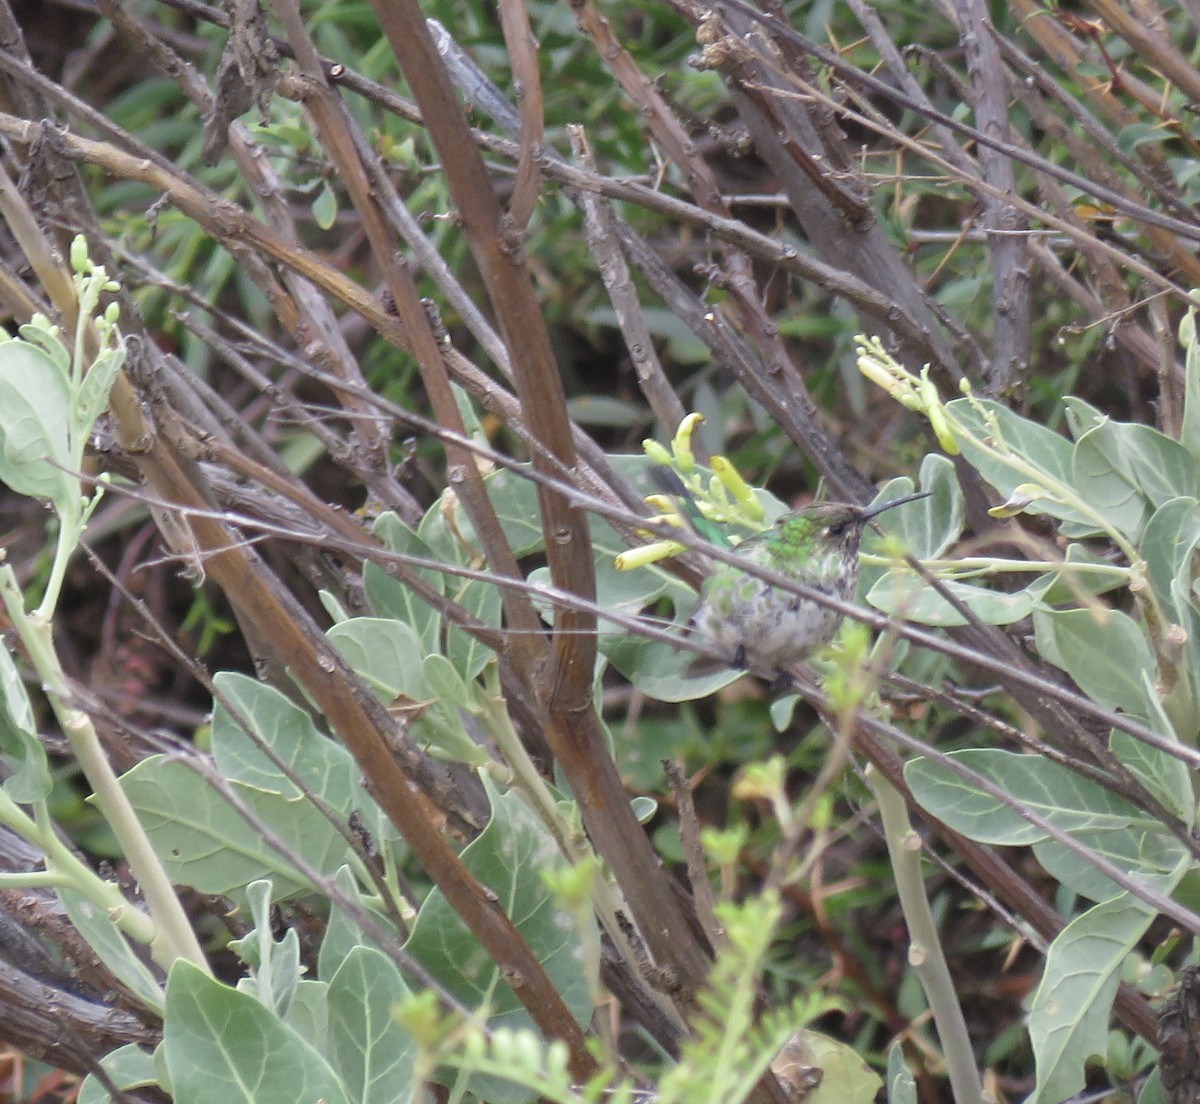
<point x="1103" y="650"/>
<point x="276" y="722"/>
<point x="275" y="964"/>
<point x="128" y="1067"/>
<point x="1151" y="858"/>
<point x="342" y="933"/>
<point x="1166" y="777"/>
<point x="387" y="655"/>
<point x="445" y="683"/>
<point x="664" y="672"/>
<point x="508" y="857"/>
<point x="222" y="1045"/>
<point x="1061" y="796"/>
<point x="1068" y="1020"/>
<point x="35" y="410"/>
<point x="1168" y="545"/>
<point x="308" y="1014"/>
<point x="204" y="842"/>
<point x="111" y="946"/>
<point x="482" y="600"/>
<point x="1152" y="1089"/>
<point x="1023" y="439"/>
<point x="1074" y="584"/>
<point x="324" y="208"/>
<point x="389" y="597"/>
<point x="92" y="396"/>
<point x="901" y="1086"/>
<point x="927" y="527"/>
<point x="1104" y="486"/>
<point x="47" y="339"/>
<point x="846" y="1079"/>
<point x="373" y="1054"/>
<point x="906" y="596"/>
<point x="29" y="780"/>
<point x="1189" y="430"/>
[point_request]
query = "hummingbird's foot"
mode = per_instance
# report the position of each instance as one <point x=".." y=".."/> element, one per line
<point x="782" y="682"/>
<point x="739" y="658"/>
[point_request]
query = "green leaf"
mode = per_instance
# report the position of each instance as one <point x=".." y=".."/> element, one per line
<point x="222" y="1045"/>
<point x="1166" y="777"/>
<point x="23" y="752"/>
<point x="1168" y="546"/>
<point x="324" y="208"/>
<point x="515" y="501"/>
<point x="275" y="964"/>
<point x="47" y="339"/>
<point x="308" y="1013"/>
<point x="1025" y="441"/>
<point x="92" y="396"/>
<point x="906" y="596"/>
<point x="204" y="842"/>
<point x="1152" y="1089"/>
<point x="1068" y="1020"/>
<point x="374" y="1055"/>
<point x="1059" y="795"/>
<point x="508" y="857"/>
<point x="901" y="1087"/>
<point x="323" y="767"/>
<point x="387" y="655"/>
<point x="1103" y="485"/>
<point x="111" y="946"/>
<point x="1136" y="134"/>
<point x="1103" y="650"/>
<point x="446" y="684"/>
<point x="1159" y="468"/>
<point x="35" y="410"/>
<point x="1150" y="857"/>
<point x="1168" y="543"/>
<point x="482" y="599"/>
<point x="128" y="1067"/>
<point x="663" y="672"/>
<point x="342" y="933"/>
<point x="847" y="1078"/>
<point x="1075" y="585"/>
<point x="1189" y="430"/>
<point x="927" y="527"/>
<point x="389" y="597"/>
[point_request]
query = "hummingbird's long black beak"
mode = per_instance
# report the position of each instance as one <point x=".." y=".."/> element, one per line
<point x="866" y="515"/>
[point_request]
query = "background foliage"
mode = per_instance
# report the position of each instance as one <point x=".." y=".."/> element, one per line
<point x="398" y="305"/>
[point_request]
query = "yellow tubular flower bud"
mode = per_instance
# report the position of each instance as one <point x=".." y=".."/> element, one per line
<point x="1024" y="495"/>
<point x="657" y="453"/>
<point x="877" y="374"/>
<point x="931" y="404"/>
<point x="743" y="494"/>
<point x="79" y="254"/>
<point x="891" y="378"/>
<point x="647" y="554"/>
<point x="681" y="444"/>
<point x="941" y="429"/>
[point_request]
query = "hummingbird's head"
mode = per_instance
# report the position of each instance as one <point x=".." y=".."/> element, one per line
<point x="818" y="529"/>
<point x="833" y="521"/>
<point x="835" y="524"/>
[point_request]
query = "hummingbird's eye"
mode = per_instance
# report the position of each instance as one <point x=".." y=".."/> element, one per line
<point x="839" y="529"/>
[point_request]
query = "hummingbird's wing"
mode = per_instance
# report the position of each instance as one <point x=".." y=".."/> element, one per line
<point x="670" y="484"/>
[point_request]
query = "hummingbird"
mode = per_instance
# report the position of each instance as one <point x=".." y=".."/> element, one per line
<point x="769" y="628"/>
